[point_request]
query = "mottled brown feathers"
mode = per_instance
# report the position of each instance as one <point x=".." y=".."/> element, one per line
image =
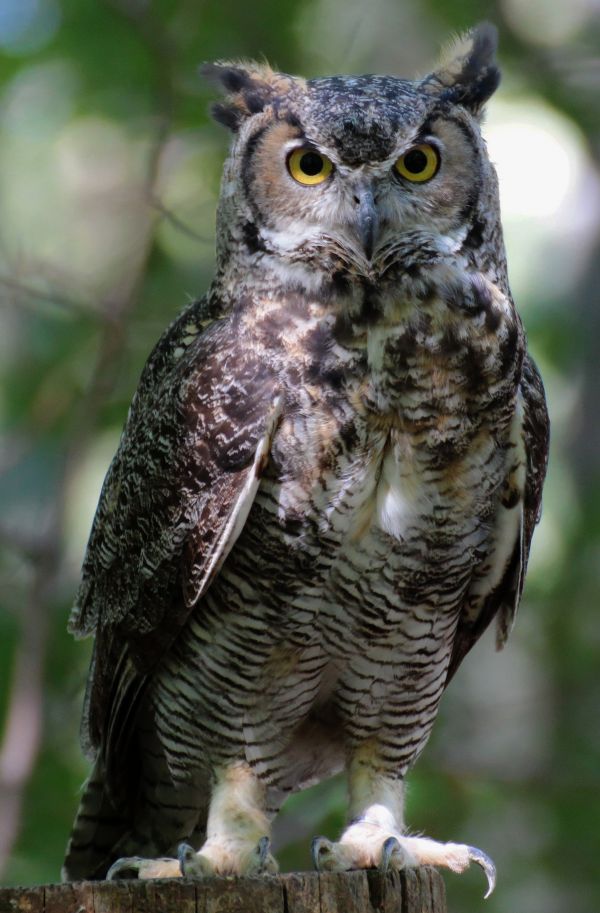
<point x="250" y="87"/>
<point x="467" y="75"/>
<point x="168" y="496"/>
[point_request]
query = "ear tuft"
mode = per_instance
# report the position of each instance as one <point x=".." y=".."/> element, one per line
<point x="250" y="88"/>
<point x="468" y="73"/>
<point x="233" y="78"/>
<point x="226" y="115"/>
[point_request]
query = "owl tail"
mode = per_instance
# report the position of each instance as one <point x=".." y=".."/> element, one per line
<point x="97" y="829"/>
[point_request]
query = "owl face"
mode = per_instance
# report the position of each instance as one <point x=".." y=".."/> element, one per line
<point x="345" y="173"/>
<point x="312" y="194"/>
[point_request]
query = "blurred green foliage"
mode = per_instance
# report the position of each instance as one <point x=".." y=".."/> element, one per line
<point x="109" y="169"/>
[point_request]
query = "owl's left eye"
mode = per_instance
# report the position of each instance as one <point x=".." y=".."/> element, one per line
<point x="419" y="164"/>
<point x="309" y="167"/>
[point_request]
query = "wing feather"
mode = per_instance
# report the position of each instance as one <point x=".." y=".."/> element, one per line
<point x="497" y="593"/>
<point x="175" y="499"/>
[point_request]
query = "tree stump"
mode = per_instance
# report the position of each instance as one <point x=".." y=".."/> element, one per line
<point x="412" y="891"/>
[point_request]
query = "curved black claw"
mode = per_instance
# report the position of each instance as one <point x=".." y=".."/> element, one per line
<point x="319" y="847"/>
<point x="487" y="865"/>
<point x="264" y="847"/>
<point x="266" y="864"/>
<point x="390" y="846"/>
<point x="185" y="854"/>
<point x="127" y="867"/>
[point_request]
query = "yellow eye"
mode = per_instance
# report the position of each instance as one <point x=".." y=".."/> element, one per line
<point x="419" y="164"/>
<point x="307" y="166"/>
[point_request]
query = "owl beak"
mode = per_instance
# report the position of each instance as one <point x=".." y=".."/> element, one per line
<point x="367" y="218"/>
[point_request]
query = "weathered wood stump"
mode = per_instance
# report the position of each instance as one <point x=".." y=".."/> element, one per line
<point x="413" y="891"/>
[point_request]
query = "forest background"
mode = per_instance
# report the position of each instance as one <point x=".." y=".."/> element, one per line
<point x="109" y="176"/>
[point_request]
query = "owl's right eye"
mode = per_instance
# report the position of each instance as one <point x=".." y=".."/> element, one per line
<point x="419" y="164"/>
<point x="309" y="167"/>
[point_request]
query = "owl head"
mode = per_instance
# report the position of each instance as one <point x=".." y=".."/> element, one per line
<point x="358" y="176"/>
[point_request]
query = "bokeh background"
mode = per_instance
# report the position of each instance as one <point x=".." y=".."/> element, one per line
<point x="109" y="174"/>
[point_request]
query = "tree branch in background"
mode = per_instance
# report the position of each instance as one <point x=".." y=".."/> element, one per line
<point x="178" y="223"/>
<point x="21" y="740"/>
<point x="25" y="294"/>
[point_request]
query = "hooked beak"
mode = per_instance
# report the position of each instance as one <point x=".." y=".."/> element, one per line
<point x="367" y="218"/>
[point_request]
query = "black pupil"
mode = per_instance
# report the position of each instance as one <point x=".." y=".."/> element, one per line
<point x="311" y="163"/>
<point x="415" y="161"/>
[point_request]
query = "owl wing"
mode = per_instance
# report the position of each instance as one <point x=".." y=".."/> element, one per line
<point x="496" y="589"/>
<point x="175" y="499"/>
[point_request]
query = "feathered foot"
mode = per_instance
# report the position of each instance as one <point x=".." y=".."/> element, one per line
<point x="224" y="859"/>
<point x="132" y="867"/>
<point x="366" y="844"/>
<point x="215" y="858"/>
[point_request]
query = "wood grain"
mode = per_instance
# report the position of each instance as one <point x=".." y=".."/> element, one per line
<point x="412" y="891"/>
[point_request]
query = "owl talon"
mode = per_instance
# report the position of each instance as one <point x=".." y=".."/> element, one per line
<point x="263" y="863"/>
<point x="482" y="859"/>
<point x="193" y="864"/>
<point x="184" y="855"/>
<point x="136" y="867"/>
<point x="124" y="868"/>
<point x="391" y="852"/>
<point x="263" y="847"/>
<point x="322" y="852"/>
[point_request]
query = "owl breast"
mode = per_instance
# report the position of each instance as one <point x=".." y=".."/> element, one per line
<point x="412" y="443"/>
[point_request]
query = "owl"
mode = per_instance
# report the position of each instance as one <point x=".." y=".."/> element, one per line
<point x="325" y="490"/>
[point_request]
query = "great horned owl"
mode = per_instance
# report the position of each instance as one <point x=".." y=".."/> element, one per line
<point x="326" y="487"/>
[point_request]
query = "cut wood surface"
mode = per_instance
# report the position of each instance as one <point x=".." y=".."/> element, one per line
<point x="412" y="891"/>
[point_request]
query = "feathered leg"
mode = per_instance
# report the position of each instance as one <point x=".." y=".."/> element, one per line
<point x="375" y="836"/>
<point x="237" y="835"/>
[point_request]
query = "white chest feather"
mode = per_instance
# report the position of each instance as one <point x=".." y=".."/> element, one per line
<point x="399" y="495"/>
<point x="385" y="492"/>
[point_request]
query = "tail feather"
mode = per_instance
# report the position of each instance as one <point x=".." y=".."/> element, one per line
<point x="98" y="827"/>
<point x="143" y="813"/>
